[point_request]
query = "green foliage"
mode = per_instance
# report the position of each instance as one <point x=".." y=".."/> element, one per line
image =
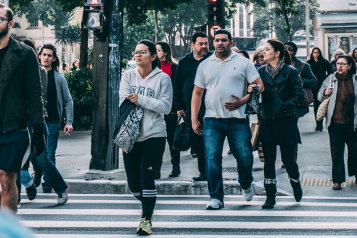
<point x="47" y="11"/>
<point x="80" y="86"/>
<point x="134" y="33"/>
<point x="180" y="22"/>
<point x="286" y="18"/>
<point x="68" y="35"/>
<point x="137" y="11"/>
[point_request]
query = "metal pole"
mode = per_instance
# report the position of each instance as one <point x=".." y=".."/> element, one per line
<point x="307" y="20"/>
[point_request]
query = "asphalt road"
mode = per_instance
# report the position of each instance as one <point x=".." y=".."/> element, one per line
<point x="117" y="216"/>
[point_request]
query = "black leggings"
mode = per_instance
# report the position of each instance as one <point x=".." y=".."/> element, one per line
<point x="141" y="165"/>
<point x="287" y="157"/>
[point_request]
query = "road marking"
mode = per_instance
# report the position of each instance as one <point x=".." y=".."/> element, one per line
<point x="190" y="196"/>
<point x="193" y="202"/>
<point x="178" y="236"/>
<point x="191" y="225"/>
<point x="131" y="212"/>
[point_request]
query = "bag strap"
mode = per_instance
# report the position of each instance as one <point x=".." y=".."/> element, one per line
<point x="302" y="67"/>
<point x="331" y="80"/>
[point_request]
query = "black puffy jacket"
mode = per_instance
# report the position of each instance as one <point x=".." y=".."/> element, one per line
<point x="282" y="94"/>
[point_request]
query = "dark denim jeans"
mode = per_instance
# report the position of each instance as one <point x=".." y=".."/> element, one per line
<point x="238" y="133"/>
<point x="52" y="141"/>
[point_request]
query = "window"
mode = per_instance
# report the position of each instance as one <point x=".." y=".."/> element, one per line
<point x="248" y="21"/>
<point x="33" y="24"/>
<point x="241" y="24"/>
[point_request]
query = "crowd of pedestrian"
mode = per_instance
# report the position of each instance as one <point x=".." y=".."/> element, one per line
<point x="209" y="89"/>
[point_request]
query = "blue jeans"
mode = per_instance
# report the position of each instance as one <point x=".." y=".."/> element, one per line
<point x="52" y="140"/>
<point x="238" y="133"/>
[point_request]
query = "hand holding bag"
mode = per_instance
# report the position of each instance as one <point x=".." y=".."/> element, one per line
<point x="322" y="110"/>
<point x="252" y="106"/>
<point x="182" y="140"/>
<point x="128" y="128"/>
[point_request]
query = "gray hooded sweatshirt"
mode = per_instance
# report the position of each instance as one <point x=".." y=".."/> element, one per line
<point x="154" y="96"/>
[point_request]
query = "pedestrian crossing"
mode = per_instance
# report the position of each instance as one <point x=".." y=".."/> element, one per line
<point x="117" y="216"/>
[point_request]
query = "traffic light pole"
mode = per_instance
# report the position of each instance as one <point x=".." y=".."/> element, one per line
<point x="105" y="87"/>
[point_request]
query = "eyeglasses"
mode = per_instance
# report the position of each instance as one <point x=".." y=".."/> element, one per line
<point x="140" y="52"/>
<point x="3" y="19"/>
<point x="341" y="64"/>
<point x="338" y="54"/>
<point x="260" y="57"/>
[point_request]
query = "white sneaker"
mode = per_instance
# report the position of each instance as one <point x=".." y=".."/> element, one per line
<point x="214" y="204"/>
<point x="62" y="198"/>
<point x="248" y="193"/>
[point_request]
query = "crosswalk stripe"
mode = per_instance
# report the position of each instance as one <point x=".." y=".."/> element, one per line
<point x="192" y="202"/>
<point x="190" y="196"/>
<point x="176" y="236"/>
<point x="132" y="212"/>
<point x="210" y="225"/>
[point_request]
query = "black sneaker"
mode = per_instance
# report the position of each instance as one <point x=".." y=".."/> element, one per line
<point x="31" y="192"/>
<point x="37" y="179"/>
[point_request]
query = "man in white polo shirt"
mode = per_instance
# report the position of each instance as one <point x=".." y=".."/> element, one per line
<point x="224" y="76"/>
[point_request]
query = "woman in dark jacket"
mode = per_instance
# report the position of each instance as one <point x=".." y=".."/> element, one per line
<point x="321" y="69"/>
<point x="283" y="92"/>
<point x="169" y="66"/>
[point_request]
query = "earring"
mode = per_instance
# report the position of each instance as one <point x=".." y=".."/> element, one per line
<point x="164" y="59"/>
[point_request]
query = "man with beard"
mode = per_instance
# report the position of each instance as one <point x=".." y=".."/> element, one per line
<point x="183" y="88"/>
<point x="224" y="76"/>
<point x="20" y="99"/>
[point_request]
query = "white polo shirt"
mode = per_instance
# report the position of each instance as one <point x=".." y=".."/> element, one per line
<point x="221" y="79"/>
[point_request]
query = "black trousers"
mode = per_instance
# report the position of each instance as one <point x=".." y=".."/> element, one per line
<point x="171" y="124"/>
<point x="341" y="134"/>
<point x="198" y="147"/>
<point x="287" y="157"/>
<point x="316" y="107"/>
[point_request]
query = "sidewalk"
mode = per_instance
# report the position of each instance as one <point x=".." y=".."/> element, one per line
<point x="73" y="158"/>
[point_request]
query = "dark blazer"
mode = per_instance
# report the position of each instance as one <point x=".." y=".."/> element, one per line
<point x="184" y="83"/>
<point x="321" y="70"/>
<point x="282" y="94"/>
<point x="20" y="88"/>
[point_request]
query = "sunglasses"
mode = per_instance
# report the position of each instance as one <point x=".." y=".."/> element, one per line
<point x="260" y="57"/>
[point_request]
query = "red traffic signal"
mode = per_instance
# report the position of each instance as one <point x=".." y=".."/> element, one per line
<point x="93" y="3"/>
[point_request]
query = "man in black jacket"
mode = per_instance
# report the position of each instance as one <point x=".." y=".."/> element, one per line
<point x="183" y="88"/>
<point x="20" y="96"/>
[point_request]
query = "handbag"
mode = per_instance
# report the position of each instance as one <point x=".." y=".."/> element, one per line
<point x="322" y="110"/>
<point x="252" y="106"/>
<point x="182" y="140"/>
<point x="128" y="128"/>
<point x="254" y="127"/>
<point x="308" y="96"/>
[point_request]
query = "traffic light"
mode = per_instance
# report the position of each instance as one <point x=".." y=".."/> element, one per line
<point x="93" y="3"/>
<point x="93" y="17"/>
<point x="202" y="28"/>
<point x="216" y="13"/>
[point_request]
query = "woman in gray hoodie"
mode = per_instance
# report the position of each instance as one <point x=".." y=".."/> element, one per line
<point x="148" y="87"/>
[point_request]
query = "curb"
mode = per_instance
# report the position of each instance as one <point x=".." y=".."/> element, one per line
<point x="79" y="186"/>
